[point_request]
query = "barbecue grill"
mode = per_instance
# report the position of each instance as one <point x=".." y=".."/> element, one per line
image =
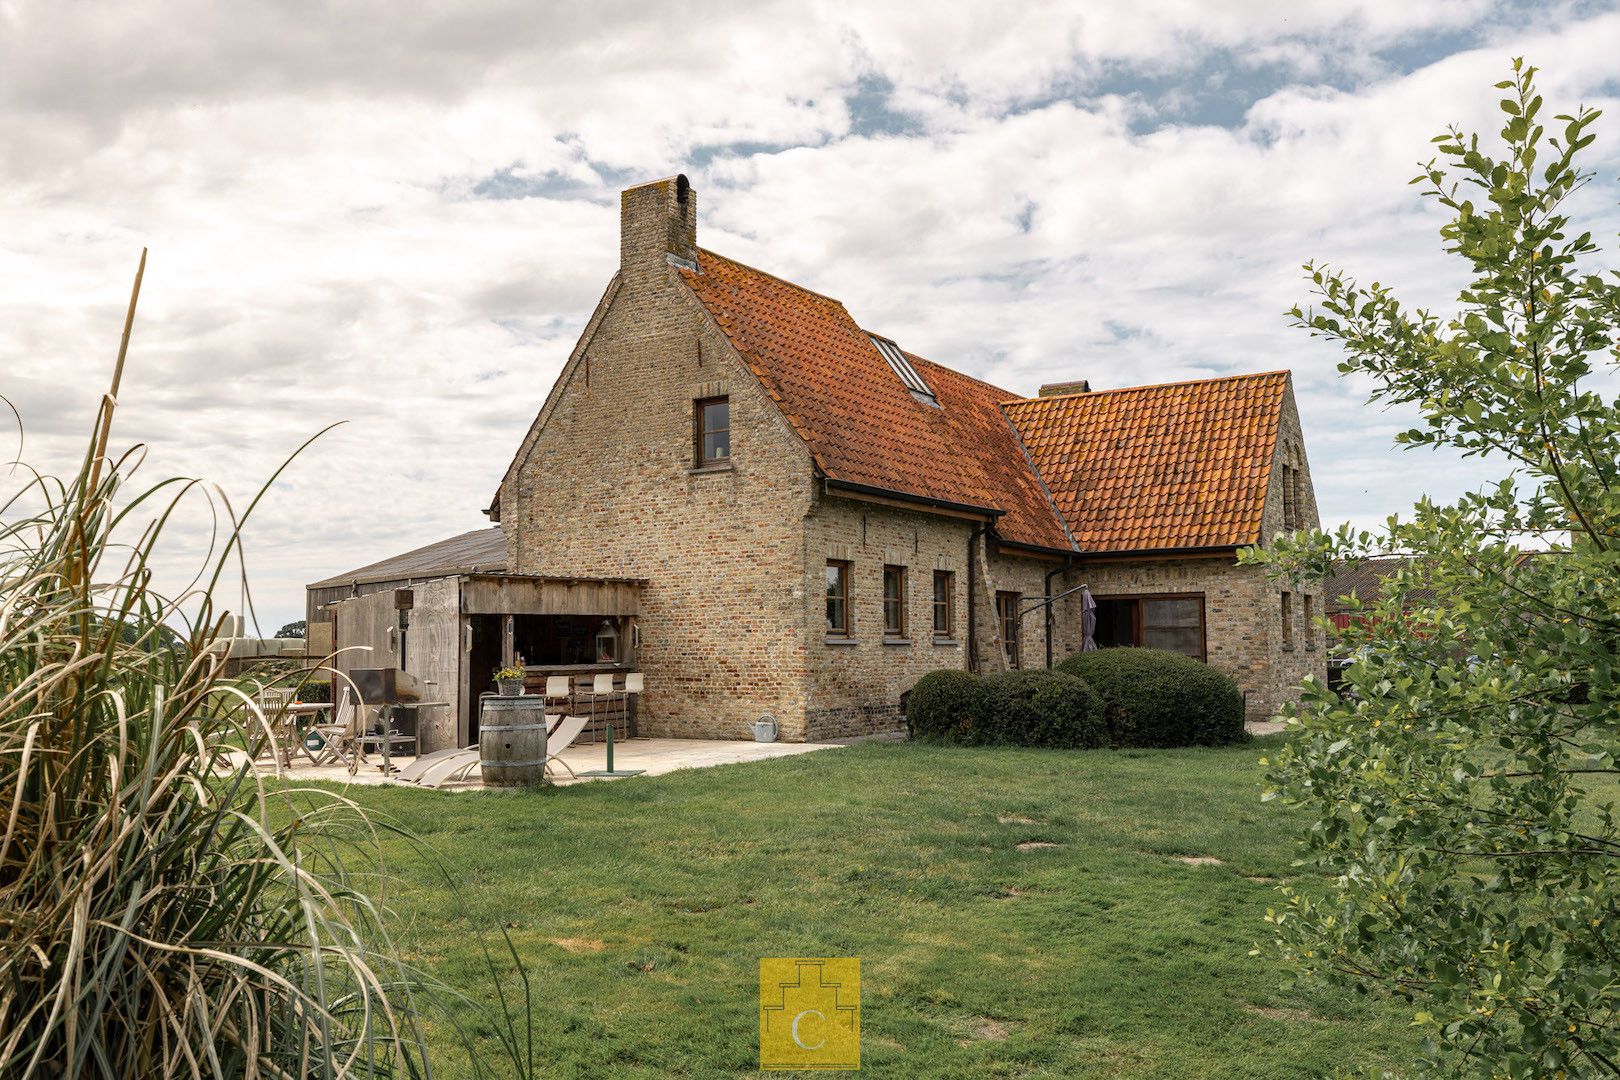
<point x="389" y="688"/>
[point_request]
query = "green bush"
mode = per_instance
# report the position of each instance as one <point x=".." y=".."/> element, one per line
<point x="1041" y="708"/>
<point x="944" y="705"/>
<point x="1156" y="698"/>
<point x="1024" y="708"/>
<point x="316" y="692"/>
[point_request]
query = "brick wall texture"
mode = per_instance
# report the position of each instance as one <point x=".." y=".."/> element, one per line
<point x="733" y="614"/>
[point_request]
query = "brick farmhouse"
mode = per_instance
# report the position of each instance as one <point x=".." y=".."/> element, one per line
<point x="816" y="517"/>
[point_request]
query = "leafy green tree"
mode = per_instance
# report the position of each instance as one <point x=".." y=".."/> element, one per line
<point x="1462" y="835"/>
<point x="292" y="630"/>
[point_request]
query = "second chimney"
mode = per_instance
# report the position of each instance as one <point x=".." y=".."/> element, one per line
<point x="1058" y="389"/>
<point x="657" y="225"/>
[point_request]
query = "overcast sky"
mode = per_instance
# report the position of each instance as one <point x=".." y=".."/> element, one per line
<point x="400" y="215"/>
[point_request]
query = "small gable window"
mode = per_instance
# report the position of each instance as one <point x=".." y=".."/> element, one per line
<point x="712" y="431"/>
<point x="902" y="367"/>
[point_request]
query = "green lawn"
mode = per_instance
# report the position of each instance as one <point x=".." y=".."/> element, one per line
<point x="642" y="907"/>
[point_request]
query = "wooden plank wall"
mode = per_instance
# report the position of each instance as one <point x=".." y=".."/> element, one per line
<point x="491" y="595"/>
<point x="433" y="654"/>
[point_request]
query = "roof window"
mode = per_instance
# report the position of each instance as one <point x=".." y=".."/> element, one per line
<point x="902" y="367"/>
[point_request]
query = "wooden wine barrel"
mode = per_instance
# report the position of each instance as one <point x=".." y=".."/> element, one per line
<point x="512" y="741"/>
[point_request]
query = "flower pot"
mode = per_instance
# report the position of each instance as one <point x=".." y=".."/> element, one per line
<point x="509" y="687"/>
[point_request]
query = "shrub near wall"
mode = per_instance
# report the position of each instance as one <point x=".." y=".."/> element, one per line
<point x="1042" y="708"/>
<point x="1023" y="708"/>
<point x="1156" y="698"/>
<point x="944" y="705"/>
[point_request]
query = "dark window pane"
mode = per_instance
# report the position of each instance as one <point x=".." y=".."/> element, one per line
<point x="942" y="603"/>
<point x="837" y="598"/>
<point x="1116" y="623"/>
<point x="894" y="593"/>
<point x="1177" y="640"/>
<point x="1179" y="611"/>
<point x="713" y="439"/>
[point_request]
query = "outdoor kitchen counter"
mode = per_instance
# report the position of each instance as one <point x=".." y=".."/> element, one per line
<point x="618" y="709"/>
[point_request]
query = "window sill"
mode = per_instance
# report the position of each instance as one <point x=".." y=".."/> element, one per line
<point x="947" y="643"/>
<point x="897" y="641"/>
<point x="709" y="470"/>
<point x="831" y="640"/>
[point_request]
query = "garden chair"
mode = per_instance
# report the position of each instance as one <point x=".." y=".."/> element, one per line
<point x="272" y="702"/>
<point x="561" y="738"/>
<point x="340" y="737"/>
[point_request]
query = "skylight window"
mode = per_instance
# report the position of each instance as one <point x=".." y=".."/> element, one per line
<point x="902" y="367"/>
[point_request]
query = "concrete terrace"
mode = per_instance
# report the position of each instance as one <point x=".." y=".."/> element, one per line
<point x="654" y="757"/>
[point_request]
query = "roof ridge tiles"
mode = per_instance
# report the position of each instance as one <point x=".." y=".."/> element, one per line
<point x="773" y="277"/>
<point x="1284" y="372"/>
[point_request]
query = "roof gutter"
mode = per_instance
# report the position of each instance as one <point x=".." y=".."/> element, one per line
<point x="907" y="497"/>
<point x="1160" y="553"/>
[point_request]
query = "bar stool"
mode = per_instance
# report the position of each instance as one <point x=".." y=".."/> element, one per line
<point x="600" y="686"/>
<point x="559" y="686"/>
<point x="635" y="683"/>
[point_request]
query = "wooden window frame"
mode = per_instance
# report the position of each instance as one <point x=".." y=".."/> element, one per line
<point x="948" y="605"/>
<point x="699" y="430"/>
<point x="844" y="575"/>
<point x="1011" y="643"/>
<point x="1136" y="615"/>
<point x="896" y="630"/>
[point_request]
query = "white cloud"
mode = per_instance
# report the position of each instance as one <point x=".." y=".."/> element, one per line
<point x="1033" y="210"/>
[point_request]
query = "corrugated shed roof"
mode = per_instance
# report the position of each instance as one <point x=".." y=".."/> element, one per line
<point x="483" y="550"/>
<point x="1365" y="582"/>
<point x="1177" y="465"/>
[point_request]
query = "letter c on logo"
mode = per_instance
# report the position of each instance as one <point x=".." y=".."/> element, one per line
<point x="800" y="1042"/>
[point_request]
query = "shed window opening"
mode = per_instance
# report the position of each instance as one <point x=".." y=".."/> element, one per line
<point x="1007" y="610"/>
<point x="712" y="431"/>
<point x="894" y="601"/>
<point x="944" y="613"/>
<point x="902" y="367"/>
<point x="1173" y="623"/>
<point x="837" y="598"/>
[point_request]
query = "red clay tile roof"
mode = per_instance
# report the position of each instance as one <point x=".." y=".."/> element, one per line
<point x="861" y="424"/>
<point x="1182" y="465"/>
<point x="1179" y="465"/>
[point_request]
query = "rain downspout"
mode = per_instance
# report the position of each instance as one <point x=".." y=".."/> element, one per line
<point x="972" y="636"/>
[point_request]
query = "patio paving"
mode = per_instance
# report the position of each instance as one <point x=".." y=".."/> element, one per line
<point x="654" y="757"/>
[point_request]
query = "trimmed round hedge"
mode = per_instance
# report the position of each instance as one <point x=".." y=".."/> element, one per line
<point x="1157" y="698"/>
<point x="1042" y="708"/>
<point x="944" y="705"/>
<point x="1023" y="708"/>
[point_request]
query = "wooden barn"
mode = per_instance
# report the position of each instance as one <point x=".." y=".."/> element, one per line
<point x="450" y="615"/>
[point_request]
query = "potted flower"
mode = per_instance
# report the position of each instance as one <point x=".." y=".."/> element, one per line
<point x="509" y="681"/>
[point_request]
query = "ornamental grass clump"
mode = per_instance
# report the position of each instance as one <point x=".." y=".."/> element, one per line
<point x="160" y="913"/>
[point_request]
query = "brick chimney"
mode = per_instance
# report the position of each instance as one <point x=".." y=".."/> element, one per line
<point x="1058" y="389"/>
<point x="657" y="226"/>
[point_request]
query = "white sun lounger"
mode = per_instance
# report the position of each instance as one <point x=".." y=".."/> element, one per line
<point x="454" y="765"/>
<point x="412" y="773"/>
<point x="450" y="765"/>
